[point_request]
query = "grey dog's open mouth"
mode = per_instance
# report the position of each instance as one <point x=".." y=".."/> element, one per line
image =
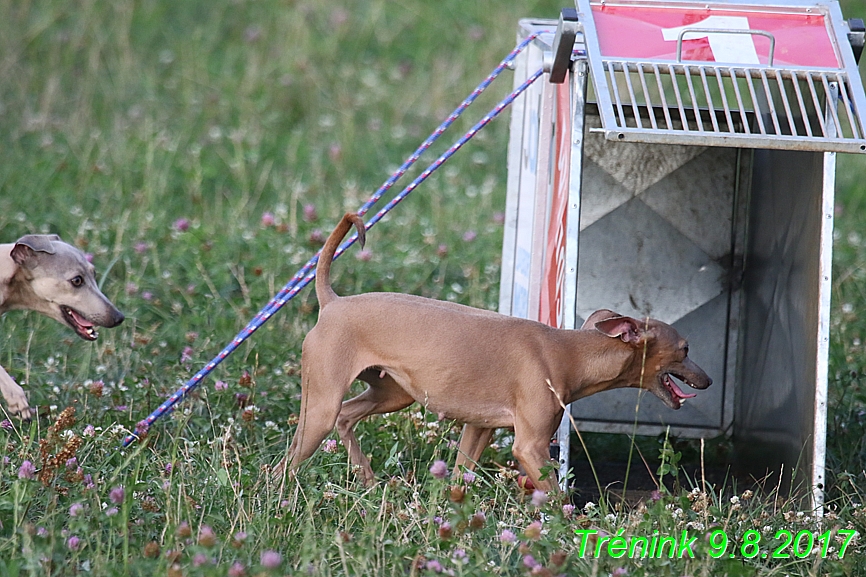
<point x="82" y="327"/>
<point x="677" y="394"/>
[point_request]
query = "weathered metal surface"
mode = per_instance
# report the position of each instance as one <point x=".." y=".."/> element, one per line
<point x="657" y="239"/>
<point x="781" y="401"/>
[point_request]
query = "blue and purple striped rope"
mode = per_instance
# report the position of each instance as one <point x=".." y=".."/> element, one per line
<point x="307" y="273"/>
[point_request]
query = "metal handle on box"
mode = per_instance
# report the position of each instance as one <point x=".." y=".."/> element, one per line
<point x="563" y="45"/>
<point x="685" y="31"/>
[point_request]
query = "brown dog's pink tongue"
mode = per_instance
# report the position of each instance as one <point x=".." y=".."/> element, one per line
<point x="679" y="392"/>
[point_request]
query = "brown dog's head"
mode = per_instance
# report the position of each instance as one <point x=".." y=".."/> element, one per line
<point x="661" y="353"/>
<point x="61" y="284"/>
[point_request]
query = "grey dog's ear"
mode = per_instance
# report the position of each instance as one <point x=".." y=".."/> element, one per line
<point x="26" y="247"/>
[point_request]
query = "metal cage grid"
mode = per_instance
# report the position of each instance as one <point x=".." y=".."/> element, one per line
<point x="722" y="104"/>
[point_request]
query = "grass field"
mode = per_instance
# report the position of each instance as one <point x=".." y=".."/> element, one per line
<point x="199" y="151"/>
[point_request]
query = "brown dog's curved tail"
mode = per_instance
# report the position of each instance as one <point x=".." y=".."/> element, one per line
<point x="324" y="292"/>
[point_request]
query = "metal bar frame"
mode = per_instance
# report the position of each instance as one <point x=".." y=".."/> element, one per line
<point x="825" y="276"/>
<point x="572" y="245"/>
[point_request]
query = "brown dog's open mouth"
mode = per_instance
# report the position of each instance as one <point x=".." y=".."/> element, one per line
<point x="82" y="327"/>
<point x="678" y="397"/>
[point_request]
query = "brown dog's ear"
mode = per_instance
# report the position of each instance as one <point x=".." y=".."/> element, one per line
<point x="625" y="328"/>
<point x="599" y="315"/>
<point x="26" y="247"/>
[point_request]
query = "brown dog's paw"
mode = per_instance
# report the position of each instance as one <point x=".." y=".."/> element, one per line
<point x="525" y="483"/>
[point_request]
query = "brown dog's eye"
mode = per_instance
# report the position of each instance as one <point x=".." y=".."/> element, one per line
<point x="686" y="350"/>
<point x="77" y="281"/>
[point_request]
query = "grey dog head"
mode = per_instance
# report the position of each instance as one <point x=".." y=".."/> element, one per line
<point x="60" y="283"/>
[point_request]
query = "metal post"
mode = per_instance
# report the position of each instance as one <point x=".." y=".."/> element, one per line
<point x="569" y="320"/>
<point x="819" y="438"/>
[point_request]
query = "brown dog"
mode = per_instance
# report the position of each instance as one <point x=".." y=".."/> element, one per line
<point x="478" y="367"/>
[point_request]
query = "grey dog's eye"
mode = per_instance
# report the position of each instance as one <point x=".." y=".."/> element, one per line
<point x="77" y="281"/>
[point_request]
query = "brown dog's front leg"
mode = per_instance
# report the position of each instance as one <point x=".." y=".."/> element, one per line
<point x="473" y="441"/>
<point x="532" y="448"/>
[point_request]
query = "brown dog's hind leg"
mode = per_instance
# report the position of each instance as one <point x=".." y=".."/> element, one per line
<point x="314" y="424"/>
<point x="383" y="396"/>
<point x="322" y="390"/>
<point x="473" y="441"/>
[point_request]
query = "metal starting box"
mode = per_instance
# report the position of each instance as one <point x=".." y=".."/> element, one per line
<point x="677" y="161"/>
